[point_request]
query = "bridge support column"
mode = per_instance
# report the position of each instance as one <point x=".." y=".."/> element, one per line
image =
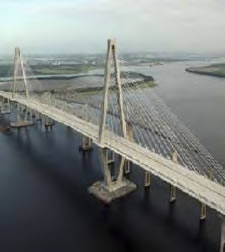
<point x="173" y="189"/>
<point x="110" y="156"/>
<point x="29" y="112"/>
<point x="130" y="136"/>
<point x="111" y="189"/>
<point x="1" y="102"/>
<point x="147" y="179"/>
<point x="86" y="143"/>
<point x="203" y="212"/>
<point x="48" y="122"/>
<point x="5" y="106"/>
<point x="222" y="236"/>
<point x="172" y="194"/>
<point x="38" y="116"/>
<point x="32" y="114"/>
<point x="20" y="122"/>
<point x="127" y="167"/>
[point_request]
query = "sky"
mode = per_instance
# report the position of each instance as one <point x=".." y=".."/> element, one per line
<point x="79" y="26"/>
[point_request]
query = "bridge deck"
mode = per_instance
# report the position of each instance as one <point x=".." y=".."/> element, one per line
<point x="195" y="185"/>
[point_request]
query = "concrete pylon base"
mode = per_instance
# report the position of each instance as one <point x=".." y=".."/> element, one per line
<point x="21" y="124"/>
<point x="115" y="191"/>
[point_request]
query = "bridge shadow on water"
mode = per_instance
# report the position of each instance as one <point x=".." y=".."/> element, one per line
<point x="45" y="205"/>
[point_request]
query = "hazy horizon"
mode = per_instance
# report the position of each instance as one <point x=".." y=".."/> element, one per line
<point x="40" y="27"/>
<point x="138" y="54"/>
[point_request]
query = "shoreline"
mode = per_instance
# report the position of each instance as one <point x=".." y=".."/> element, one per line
<point x="215" y="70"/>
<point x="204" y="73"/>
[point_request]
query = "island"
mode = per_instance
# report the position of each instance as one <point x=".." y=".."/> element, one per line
<point x="217" y="70"/>
<point x="134" y="81"/>
<point x="76" y="77"/>
<point x="53" y="69"/>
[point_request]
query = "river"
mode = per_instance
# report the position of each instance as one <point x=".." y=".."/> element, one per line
<point x="197" y="100"/>
<point x="44" y="178"/>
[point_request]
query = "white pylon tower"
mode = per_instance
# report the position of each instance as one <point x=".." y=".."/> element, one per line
<point x="112" y="188"/>
<point x="18" y="61"/>
<point x="112" y="54"/>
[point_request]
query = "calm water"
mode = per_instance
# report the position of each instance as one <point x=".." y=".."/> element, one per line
<point x="44" y="178"/>
<point x="197" y="100"/>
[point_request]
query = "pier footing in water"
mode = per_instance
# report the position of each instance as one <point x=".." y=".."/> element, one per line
<point x="21" y="124"/>
<point x="114" y="191"/>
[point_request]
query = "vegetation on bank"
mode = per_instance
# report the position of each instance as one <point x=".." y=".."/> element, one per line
<point x="131" y="85"/>
<point x="72" y="71"/>
<point x="217" y="70"/>
<point x="134" y="80"/>
<point x="49" y="69"/>
<point x="159" y="60"/>
<point x="63" y="69"/>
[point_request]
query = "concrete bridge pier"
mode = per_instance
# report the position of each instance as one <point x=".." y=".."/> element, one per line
<point x="86" y="144"/>
<point x="111" y="189"/>
<point x="38" y="116"/>
<point x="1" y="103"/>
<point x="21" y="107"/>
<point x="173" y="191"/>
<point x="32" y="114"/>
<point x="48" y="122"/>
<point x="222" y="235"/>
<point x="203" y="212"/>
<point x="110" y="157"/>
<point x="21" y="121"/>
<point x="29" y="112"/>
<point x="147" y="179"/>
<point x="127" y="167"/>
<point x="130" y="136"/>
<point x="5" y="107"/>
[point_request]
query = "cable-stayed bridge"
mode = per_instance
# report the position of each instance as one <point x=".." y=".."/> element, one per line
<point x="123" y="116"/>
